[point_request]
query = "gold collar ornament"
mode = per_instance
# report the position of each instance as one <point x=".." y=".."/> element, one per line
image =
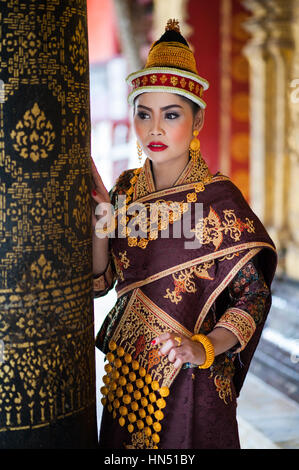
<point x="196" y="172"/>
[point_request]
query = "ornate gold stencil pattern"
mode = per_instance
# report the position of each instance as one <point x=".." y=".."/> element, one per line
<point x="46" y="305"/>
<point x="184" y="281"/>
<point x="33" y="136"/>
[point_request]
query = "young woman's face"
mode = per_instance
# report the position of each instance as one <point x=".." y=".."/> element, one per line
<point x="163" y="124"/>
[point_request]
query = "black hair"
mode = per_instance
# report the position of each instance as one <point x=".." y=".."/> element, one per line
<point x="172" y="36"/>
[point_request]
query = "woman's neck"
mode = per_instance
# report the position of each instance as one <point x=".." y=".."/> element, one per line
<point x="165" y="174"/>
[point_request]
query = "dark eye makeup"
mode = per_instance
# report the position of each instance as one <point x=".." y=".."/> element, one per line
<point x="168" y="115"/>
<point x="172" y="115"/>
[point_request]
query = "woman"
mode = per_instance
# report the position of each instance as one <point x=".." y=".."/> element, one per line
<point x="190" y="311"/>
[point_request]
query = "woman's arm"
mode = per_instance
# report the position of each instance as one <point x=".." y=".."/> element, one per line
<point x="222" y="340"/>
<point x="101" y="262"/>
<point x="100" y="256"/>
<point x="104" y="274"/>
<point x="99" y="244"/>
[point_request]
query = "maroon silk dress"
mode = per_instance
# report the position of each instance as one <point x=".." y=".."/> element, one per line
<point x="164" y="286"/>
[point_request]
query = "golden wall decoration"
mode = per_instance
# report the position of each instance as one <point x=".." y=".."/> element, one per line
<point x="47" y="370"/>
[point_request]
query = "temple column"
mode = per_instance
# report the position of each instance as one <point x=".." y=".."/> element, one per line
<point x="270" y="53"/>
<point x="47" y="370"/>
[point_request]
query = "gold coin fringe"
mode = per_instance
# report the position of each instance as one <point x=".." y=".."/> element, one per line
<point x="132" y="396"/>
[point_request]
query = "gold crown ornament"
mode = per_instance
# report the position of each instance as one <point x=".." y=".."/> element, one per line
<point x="170" y="67"/>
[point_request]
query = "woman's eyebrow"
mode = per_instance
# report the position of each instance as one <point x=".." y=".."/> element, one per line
<point x="144" y="107"/>
<point x="171" y="106"/>
<point x="164" y="108"/>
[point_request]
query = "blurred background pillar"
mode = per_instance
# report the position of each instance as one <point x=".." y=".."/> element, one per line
<point x="271" y="54"/>
<point x="47" y="370"/>
<point x="292" y="252"/>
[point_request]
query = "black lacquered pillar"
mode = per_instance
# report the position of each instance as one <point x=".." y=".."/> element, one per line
<point x="47" y="370"/>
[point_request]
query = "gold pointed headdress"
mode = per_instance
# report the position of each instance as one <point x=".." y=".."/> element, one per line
<point x="170" y="67"/>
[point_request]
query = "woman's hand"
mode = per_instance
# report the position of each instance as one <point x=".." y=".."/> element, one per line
<point x="188" y="351"/>
<point x="99" y="192"/>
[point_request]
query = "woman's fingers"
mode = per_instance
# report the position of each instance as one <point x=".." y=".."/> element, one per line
<point x="169" y="347"/>
<point x="167" y="342"/>
<point x="178" y="363"/>
<point x="162" y="338"/>
<point x="169" y="339"/>
<point x="174" y="354"/>
<point x="177" y="353"/>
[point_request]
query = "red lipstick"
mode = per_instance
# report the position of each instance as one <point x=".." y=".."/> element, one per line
<point x="157" y="146"/>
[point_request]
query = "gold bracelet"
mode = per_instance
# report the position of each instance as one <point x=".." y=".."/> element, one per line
<point x="209" y="350"/>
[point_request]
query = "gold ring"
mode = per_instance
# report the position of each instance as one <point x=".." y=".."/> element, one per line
<point x="178" y="340"/>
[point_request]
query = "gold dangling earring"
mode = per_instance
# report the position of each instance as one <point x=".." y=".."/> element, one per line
<point x="195" y="147"/>
<point x="139" y="151"/>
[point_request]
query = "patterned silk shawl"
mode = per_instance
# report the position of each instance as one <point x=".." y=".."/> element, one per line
<point x="173" y="286"/>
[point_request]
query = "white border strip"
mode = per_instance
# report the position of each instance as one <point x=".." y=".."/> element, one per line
<point x="166" y="89"/>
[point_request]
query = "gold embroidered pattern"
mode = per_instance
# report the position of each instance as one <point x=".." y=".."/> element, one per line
<point x="120" y="263"/>
<point x="144" y="181"/>
<point x="229" y="256"/>
<point x="161" y="214"/>
<point x="223" y="371"/>
<point x="184" y="283"/>
<point x="250" y="254"/>
<point x="167" y="212"/>
<point x="142" y="185"/>
<point x="240" y="323"/>
<point x="223" y="387"/>
<point x="210" y="229"/>
<point x="166" y="272"/>
<point x="196" y="172"/>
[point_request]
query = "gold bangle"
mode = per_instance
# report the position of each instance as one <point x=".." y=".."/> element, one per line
<point x="209" y="350"/>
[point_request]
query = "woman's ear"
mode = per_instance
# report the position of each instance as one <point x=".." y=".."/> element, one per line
<point x="199" y="120"/>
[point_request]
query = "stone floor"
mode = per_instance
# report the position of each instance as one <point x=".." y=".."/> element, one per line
<point x="267" y="418"/>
